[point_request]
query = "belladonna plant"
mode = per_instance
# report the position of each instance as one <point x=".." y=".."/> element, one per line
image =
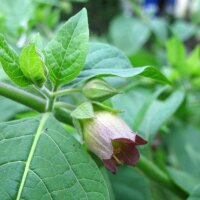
<point x="109" y="137"/>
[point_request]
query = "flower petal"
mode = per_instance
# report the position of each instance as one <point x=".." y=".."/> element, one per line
<point x="125" y="151"/>
<point x="130" y="156"/>
<point x="111" y="165"/>
<point x="139" y="140"/>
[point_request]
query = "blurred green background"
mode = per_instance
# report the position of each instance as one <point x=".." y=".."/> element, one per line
<point x="164" y="34"/>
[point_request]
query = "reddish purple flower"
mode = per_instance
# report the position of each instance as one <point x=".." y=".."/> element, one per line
<point x="109" y="137"/>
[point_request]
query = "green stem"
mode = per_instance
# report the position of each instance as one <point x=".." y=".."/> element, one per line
<point x="23" y="97"/>
<point x="63" y="115"/>
<point x="64" y="92"/>
<point x="160" y="177"/>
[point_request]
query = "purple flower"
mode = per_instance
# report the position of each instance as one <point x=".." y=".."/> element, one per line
<point x="109" y="137"/>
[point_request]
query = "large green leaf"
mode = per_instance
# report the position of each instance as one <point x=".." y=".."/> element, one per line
<point x="66" y="52"/>
<point x="129" y="34"/>
<point x="40" y="160"/>
<point x="106" y="60"/>
<point x="10" y="63"/>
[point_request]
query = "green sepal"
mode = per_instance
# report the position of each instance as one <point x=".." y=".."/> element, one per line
<point x="83" y="111"/>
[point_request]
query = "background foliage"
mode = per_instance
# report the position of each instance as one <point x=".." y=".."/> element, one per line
<point x="164" y="109"/>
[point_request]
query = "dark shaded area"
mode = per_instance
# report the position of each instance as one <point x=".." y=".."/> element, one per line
<point x="100" y="13"/>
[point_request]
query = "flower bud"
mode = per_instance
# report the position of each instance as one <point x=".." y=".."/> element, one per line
<point x="32" y="65"/>
<point x="109" y="137"/>
<point x="98" y="90"/>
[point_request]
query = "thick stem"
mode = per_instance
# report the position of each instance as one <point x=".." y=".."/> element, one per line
<point x="160" y="177"/>
<point x="23" y="97"/>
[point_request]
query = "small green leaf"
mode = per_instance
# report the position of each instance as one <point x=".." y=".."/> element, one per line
<point x="193" y="62"/>
<point x="32" y="65"/>
<point x="66" y="52"/>
<point x="10" y="63"/>
<point x="183" y="179"/>
<point x="83" y="111"/>
<point x="40" y="160"/>
<point x="176" y="53"/>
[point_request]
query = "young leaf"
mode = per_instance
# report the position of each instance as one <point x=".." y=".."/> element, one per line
<point x="32" y="65"/>
<point x="40" y="160"/>
<point x="193" y="61"/>
<point x="176" y="53"/>
<point x="10" y="63"/>
<point x="66" y="52"/>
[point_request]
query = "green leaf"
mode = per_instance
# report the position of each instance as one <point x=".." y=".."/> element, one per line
<point x="40" y="160"/>
<point x="176" y="53"/>
<point x="32" y="65"/>
<point x="128" y="34"/>
<point x="159" y="28"/>
<point x="3" y="75"/>
<point x="195" y="194"/>
<point x="184" y="148"/>
<point x="105" y="60"/>
<point x="66" y="52"/>
<point x="183" y="179"/>
<point x="183" y="30"/>
<point x="148" y="113"/>
<point x="100" y="106"/>
<point x="193" y="62"/>
<point x="159" y="112"/>
<point x="10" y="63"/>
<point x="9" y="109"/>
<point x="130" y="184"/>
<point x="17" y="14"/>
<point x="83" y="111"/>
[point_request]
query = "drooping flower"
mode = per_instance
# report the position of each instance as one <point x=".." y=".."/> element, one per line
<point x="109" y="137"/>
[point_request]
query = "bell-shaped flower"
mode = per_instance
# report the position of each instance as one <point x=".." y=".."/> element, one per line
<point x="109" y="137"/>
